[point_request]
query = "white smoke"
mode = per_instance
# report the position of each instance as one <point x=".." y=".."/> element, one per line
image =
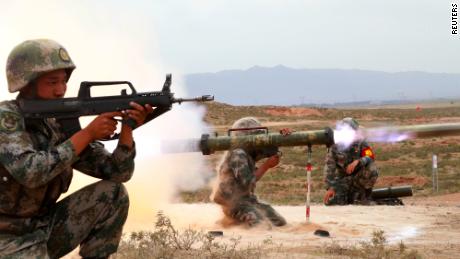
<point x="387" y="135"/>
<point x="344" y="135"/>
<point x="112" y="41"/>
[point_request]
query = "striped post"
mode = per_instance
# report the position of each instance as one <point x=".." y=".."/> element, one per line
<point x="309" y="168"/>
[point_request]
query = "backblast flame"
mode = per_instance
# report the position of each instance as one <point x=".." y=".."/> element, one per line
<point x="345" y="135"/>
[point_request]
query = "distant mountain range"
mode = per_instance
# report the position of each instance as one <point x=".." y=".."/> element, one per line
<point x="282" y="85"/>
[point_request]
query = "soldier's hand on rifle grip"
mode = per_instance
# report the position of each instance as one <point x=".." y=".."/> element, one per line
<point x="103" y="125"/>
<point x="138" y="113"/>
<point x="351" y="167"/>
<point x="329" y="194"/>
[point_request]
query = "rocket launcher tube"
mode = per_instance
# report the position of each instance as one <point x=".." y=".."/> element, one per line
<point x="210" y="144"/>
<point x="392" y="192"/>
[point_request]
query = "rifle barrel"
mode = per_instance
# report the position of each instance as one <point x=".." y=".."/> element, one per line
<point x="203" y="98"/>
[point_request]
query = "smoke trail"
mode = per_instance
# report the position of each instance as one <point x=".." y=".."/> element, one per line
<point x="111" y="41"/>
<point x="386" y="135"/>
<point x="344" y="135"/>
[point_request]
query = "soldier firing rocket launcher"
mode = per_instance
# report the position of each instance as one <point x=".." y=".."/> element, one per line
<point x="68" y="110"/>
<point x="270" y="142"/>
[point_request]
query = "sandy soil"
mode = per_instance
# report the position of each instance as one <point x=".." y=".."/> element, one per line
<point x="430" y="225"/>
<point x="292" y="111"/>
<point x="432" y="228"/>
<point x="414" y="224"/>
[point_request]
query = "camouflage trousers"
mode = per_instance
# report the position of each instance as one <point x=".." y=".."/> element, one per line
<point x="355" y="188"/>
<point x="93" y="217"/>
<point x="252" y="212"/>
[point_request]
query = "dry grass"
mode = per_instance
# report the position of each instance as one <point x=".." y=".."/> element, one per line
<point x="165" y="241"/>
<point x="168" y="242"/>
<point x="376" y="248"/>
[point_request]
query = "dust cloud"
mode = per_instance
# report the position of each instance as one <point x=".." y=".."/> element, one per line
<point x="346" y="224"/>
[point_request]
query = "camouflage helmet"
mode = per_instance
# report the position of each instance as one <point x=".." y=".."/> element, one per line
<point x="351" y="122"/>
<point x="32" y="58"/>
<point x="246" y="122"/>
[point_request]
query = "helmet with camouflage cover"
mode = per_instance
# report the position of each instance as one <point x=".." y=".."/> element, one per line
<point x="32" y="58"/>
<point x="351" y="122"/>
<point x="244" y="123"/>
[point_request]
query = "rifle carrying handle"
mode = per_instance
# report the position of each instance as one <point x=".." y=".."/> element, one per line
<point x="85" y="86"/>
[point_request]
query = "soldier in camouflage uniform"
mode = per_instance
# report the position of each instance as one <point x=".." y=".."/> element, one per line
<point x="238" y="175"/>
<point x="37" y="162"/>
<point x="350" y="172"/>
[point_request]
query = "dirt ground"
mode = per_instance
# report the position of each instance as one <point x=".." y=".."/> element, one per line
<point x="431" y="225"/>
<point x="292" y="111"/>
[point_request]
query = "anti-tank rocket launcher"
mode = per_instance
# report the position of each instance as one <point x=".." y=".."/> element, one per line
<point x="266" y="142"/>
<point x="209" y="144"/>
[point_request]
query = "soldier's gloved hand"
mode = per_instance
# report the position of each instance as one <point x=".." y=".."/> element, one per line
<point x="138" y="113"/>
<point x="272" y="161"/>
<point x="103" y="125"/>
<point x="329" y="194"/>
<point x="286" y="131"/>
<point x="351" y="167"/>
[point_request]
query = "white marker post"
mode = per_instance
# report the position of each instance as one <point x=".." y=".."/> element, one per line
<point x="309" y="167"/>
<point x="435" y="173"/>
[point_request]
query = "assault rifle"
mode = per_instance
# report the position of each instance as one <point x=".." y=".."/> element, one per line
<point x="68" y="110"/>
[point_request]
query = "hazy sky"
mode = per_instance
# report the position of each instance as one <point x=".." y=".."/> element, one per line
<point x="212" y="35"/>
<point x="387" y="35"/>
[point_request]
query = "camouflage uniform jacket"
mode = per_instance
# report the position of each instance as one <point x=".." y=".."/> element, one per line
<point x="337" y="161"/>
<point x="237" y="179"/>
<point x="36" y="163"/>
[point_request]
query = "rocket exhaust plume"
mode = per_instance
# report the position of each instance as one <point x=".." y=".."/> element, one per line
<point x="387" y="135"/>
<point x="345" y="135"/>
